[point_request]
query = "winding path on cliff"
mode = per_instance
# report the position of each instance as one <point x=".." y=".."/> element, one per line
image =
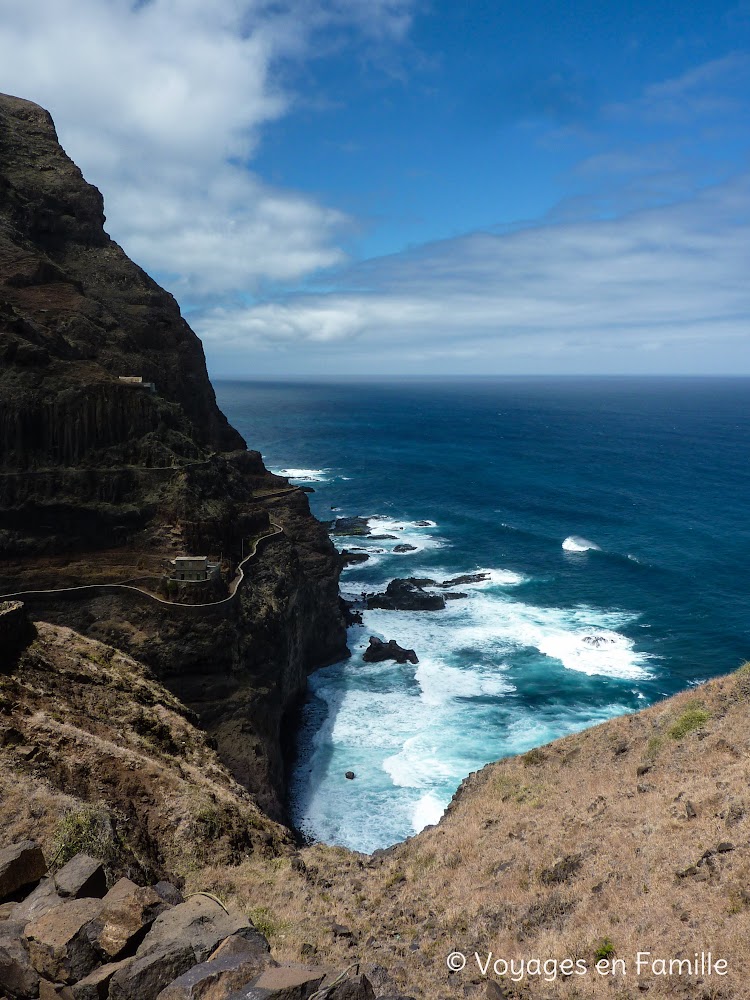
<point x="129" y="585"/>
<point x="89" y="587"/>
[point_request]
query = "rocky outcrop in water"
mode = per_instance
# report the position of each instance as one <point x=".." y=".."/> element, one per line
<point x="407" y="595"/>
<point x="378" y="651"/>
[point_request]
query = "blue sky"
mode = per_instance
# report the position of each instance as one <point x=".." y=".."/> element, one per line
<point x="412" y="187"/>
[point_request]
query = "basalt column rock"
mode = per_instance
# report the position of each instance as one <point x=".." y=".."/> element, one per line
<point x="115" y="458"/>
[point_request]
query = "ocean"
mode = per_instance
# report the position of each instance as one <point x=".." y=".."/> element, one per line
<point x="610" y="516"/>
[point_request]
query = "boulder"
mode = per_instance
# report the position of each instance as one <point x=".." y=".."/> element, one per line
<point x="58" y="940"/>
<point x="144" y="978"/>
<point x="95" y="986"/>
<point x="40" y="901"/>
<point x="404" y="547"/>
<point x="457" y="581"/>
<point x="285" y="982"/>
<point x="17" y="975"/>
<point x="406" y="595"/>
<point x="200" y="921"/>
<point x="169" y="893"/>
<point x="354" y="988"/>
<point x="54" y="991"/>
<point x="81" y="876"/>
<point x="21" y="865"/>
<point x="120" y="890"/>
<point x="179" y="938"/>
<point x="124" y="920"/>
<point x="237" y="961"/>
<point x="378" y="651"/>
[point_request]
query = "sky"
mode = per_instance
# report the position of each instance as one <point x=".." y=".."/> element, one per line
<point x="417" y="187"/>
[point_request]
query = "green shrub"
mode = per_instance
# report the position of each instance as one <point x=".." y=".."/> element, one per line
<point x="90" y="830"/>
<point x="265" y="921"/>
<point x="691" y="718"/>
<point x="606" y="949"/>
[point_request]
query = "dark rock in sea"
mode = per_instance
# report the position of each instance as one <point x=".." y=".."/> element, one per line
<point x="404" y="548"/>
<point x="382" y="538"/>
<point x="378" y="651"/>
<point x="350" y="775"/>
<point x="597" y="641"/>
<point x="455" y="595"/>
<point x="423" y="524"/>
<point x="349" y="558"/>
<point x="457" y="581"/>
<point x="351" y="616"/>
<point x="406" y="595"/>
<point x="351" y="526"/>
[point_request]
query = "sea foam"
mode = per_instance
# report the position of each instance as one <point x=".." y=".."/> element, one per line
<point x="576" y="543"/>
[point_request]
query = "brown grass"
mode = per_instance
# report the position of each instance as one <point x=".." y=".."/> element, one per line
<point x="565" y="853"/>
<point x="601" y="845"/>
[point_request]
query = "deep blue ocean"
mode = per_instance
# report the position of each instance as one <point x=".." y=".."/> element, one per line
<point x="613" y="518"/>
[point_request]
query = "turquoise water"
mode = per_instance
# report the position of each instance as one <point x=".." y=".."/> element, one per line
<point x="607" y="508"/>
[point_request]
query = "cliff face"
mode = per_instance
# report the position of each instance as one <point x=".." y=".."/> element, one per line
<point x="77" y="314"/>
<point x="102" y="481"/>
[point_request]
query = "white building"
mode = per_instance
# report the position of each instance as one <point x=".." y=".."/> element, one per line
<point x="192" y="569"/>
<point x="137" y="380"/>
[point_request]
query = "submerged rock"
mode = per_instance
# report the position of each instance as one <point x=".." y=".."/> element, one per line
<point x="456" y="581"/>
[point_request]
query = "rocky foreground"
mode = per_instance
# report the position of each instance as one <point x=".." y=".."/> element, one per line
<point x="64" y="934"/>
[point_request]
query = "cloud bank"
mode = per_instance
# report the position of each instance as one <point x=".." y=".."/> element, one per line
<point x="162" y="104"/>
<point x="623" y="292"/>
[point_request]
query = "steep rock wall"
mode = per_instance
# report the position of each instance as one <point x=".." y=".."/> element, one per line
<point x="91" y="468"/>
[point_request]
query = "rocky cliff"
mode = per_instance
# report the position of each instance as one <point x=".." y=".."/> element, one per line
<point x="103" y="480"/>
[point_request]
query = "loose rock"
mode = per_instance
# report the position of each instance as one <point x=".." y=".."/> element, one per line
<point x="21" y="865"/>
<point x="59" y="947"/>
<point x="82" y="876"/>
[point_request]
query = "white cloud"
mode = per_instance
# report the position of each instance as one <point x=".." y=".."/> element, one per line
<point x="670" y="280"/>
<point x="162" y="104"/>
<point x="712" y="89"/>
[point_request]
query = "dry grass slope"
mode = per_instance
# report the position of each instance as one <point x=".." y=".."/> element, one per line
<point x="631" y="836"/>
<point x="96" y="755"/>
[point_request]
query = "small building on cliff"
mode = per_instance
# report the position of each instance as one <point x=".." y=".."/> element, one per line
<point x="137" y="380"/>
<point x="192" y="569"/>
